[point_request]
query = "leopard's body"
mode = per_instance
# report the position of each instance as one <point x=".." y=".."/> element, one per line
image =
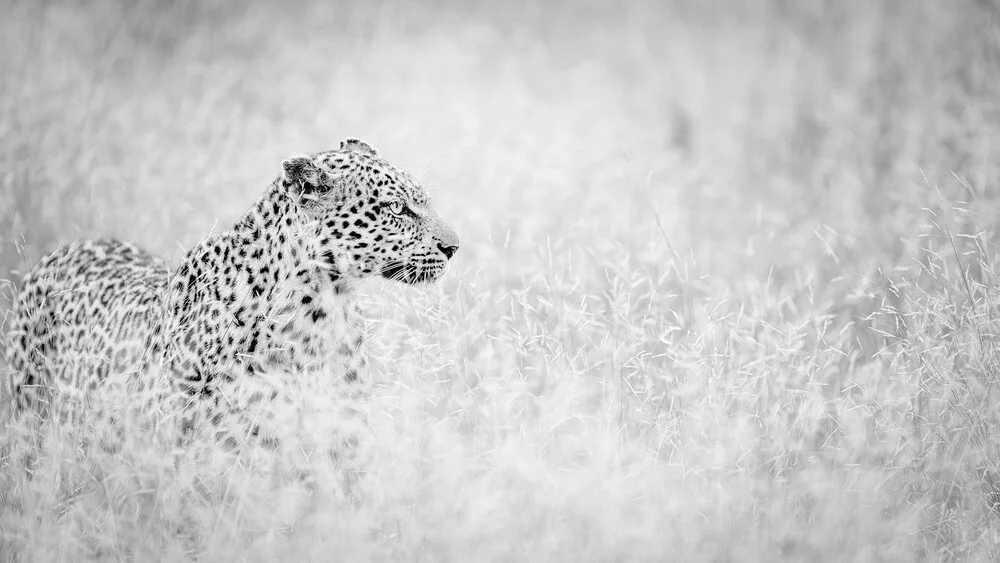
<point x="274" y="292"/>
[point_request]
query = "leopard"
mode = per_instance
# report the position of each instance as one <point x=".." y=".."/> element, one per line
<point x="277" y="292"/>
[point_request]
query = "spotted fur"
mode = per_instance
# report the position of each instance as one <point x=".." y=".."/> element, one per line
<point x="274" y="292"/>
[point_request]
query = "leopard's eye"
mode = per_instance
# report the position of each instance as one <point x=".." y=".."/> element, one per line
<point x="396" y="207"/>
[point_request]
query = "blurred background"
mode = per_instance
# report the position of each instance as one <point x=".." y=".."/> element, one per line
<point x="763" y="134"/>
<point x="726" y="289"/>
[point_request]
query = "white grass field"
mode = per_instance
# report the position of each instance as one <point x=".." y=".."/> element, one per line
<point x="727" y="288"/>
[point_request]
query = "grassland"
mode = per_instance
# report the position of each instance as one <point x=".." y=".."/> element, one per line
<point x="726" y="291"/>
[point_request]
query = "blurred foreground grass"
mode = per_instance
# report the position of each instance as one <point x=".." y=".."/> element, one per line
<point x="726" y="289"/>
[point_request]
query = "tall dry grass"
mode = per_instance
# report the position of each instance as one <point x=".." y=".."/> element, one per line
<point x="726" y="289"/>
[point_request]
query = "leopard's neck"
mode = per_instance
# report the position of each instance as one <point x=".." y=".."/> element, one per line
<point x="270" y="294"/>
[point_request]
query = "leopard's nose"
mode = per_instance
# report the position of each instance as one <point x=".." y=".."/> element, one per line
<point x="449" y="250"/>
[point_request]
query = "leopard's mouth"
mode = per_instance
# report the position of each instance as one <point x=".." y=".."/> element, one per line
<point x="410" y="274"/>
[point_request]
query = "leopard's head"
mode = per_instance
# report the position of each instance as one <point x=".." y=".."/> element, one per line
<point x="370" y="217"/>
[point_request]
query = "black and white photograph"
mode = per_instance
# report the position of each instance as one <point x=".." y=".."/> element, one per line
<point x="706" y="281"/>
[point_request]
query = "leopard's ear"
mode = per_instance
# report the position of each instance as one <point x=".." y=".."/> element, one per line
<point x="300" y="174"/>
<point x="353" y="144"/>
